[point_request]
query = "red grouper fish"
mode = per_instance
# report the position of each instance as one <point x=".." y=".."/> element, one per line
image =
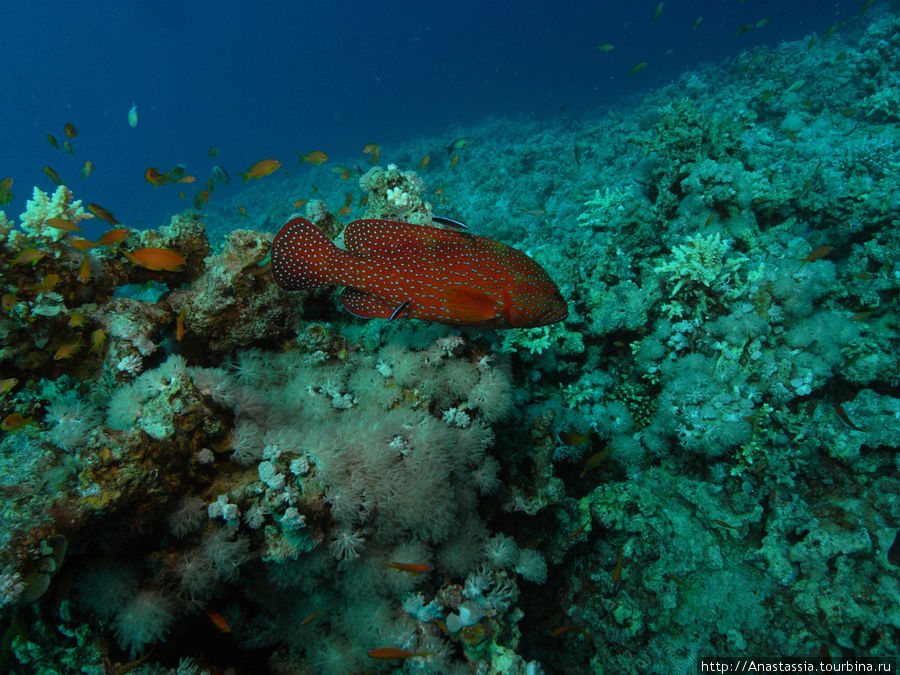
<point x="398" y="270"/>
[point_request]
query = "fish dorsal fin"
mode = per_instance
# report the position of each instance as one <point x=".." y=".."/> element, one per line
<point x="389" y="238"/>
<point x="472" y="305"/>
<point x="366" y="305"/>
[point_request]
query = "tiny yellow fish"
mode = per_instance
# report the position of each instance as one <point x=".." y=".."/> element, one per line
<point x="315" y="157"/>
<point x="84" y="270"/>
<point x="82" y="244"/>
<point x="62" y="224"/>
<point x="51" y="140"/>
<point x="213" y="151"/>
<point x="48" y="283"/>
<point x="68" y="147"/>
<point x="14" y="422"/>
<point x="605" y="47"/>
<point x="659" y="9"/>
<point x="70" y="130"/>
<point x="179" y="326"/>
<point x="86" y="171"/>
<point x="373" y="149"/>
<point x="243" y="211"/>
<point x="454" y="160"/>
<point x="76" y="320"/>
<point x="262" y="168"/>
<point x="132" y="116"/>
<point x="52" y="175"/>
<point x="98" y="337"/>
<point x="102" y="214"/>
<point x="458" y="144"/>
<point x="5" y="195"/>
<point x="817" y="254"/>
<point x="638" y="67"/>
<point x="424" y="162"/>
<point x="763" y="22"/>
<point x="7" y="384"/>
<point x="8" y="301"/>
<point x="155" y="177"/>
<point x="29" y="255"/>
<point x="744" y="28"/>
<point x="66" y="351"/>
<point x="697" y="22"/>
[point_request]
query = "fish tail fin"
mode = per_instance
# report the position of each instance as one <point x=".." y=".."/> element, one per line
<point x="245" y="175"/>
<point x="303" y="257"/>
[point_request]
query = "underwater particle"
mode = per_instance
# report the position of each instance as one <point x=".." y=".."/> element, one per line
<point x="132" y="116"/>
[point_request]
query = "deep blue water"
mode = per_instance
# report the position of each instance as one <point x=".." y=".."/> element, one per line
<point x="266" y="79"/>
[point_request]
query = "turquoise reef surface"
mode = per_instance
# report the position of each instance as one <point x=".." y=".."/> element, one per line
<point x="201" y="472"/>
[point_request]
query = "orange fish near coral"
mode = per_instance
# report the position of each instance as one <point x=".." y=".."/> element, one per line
<point x="394" y="654"/>
<point x="156" y="259"/>
<point x="103" y="214"/>
<point x="397" y="270"/>
<point x="113" y="237"/>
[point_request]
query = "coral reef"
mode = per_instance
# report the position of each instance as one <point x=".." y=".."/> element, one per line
<point x="199" y="471"/>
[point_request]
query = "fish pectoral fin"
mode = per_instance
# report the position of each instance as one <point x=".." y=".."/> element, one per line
<point x="368" y="306"/>
<point x="471" y="305"/>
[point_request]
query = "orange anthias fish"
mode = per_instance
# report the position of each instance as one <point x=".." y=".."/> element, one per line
<point x="397" y="270"/>
<point x="153" y="176"/>
<point x="156" y="259"/>
<point x="113" y="237"/>
<point x="262" y="168"/>
<point x="103" y="214"/>
<point x="393" y="654"/>
<point x="315" y="157"/>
